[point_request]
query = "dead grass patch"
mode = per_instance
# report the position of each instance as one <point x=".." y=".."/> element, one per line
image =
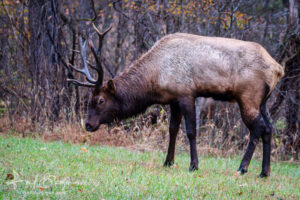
<point x="136" y="134"/>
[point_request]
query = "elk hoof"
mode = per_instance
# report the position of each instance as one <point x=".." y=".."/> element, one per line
<point x="242" y="171"/>
<point x="263" y="175"/>
<point x="193" y="167"/>
<point x="168" y="163"/>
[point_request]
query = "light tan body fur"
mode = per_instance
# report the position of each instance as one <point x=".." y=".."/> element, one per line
<point x="184" y="64"/>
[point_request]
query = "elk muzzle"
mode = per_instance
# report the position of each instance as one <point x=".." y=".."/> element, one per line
<point x="91" y="125"/>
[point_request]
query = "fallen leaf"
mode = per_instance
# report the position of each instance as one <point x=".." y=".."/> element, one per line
<point x="9" y="177"/>
<point x="83" y="149"/>
<point x="42" y="188"/>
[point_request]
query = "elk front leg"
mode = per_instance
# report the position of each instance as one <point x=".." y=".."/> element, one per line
<point x="187" y="107"/>
<point x="173" y="129"/>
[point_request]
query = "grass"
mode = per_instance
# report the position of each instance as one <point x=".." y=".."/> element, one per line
<point x="32" y="169"/>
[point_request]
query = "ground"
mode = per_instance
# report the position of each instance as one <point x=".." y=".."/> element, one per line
<point x="33" y="169"/>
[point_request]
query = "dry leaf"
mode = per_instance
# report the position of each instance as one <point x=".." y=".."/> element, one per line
<point x="42" y="188"/>
<point x="9" y="177"/>
<point x="83" y="149"/>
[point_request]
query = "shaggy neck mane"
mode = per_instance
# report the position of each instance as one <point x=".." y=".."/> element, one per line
<point x="133" y="90"/>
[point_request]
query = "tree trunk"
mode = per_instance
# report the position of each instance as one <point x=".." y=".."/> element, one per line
<point x="292" y="103"/>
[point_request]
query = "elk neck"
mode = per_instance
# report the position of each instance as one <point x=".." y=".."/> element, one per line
<point x="134" y="90"/>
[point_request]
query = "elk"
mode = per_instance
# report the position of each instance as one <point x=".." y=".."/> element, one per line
<point x="179" y="68"/>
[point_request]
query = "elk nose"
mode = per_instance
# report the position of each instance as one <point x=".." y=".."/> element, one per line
<point x="88" y="127"/>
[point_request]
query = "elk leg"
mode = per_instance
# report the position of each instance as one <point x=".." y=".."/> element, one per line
<point x="187" y="107"/>
<point x="256" y="124"/>
<point x="173" y="129"/>
<point x="266" y="138"/>
<point x="256" y="128"/>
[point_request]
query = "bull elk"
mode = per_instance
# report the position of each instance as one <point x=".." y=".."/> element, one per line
<point x="179" y="68"/>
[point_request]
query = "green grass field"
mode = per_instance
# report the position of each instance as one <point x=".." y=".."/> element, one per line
<point x="32" y="169"/>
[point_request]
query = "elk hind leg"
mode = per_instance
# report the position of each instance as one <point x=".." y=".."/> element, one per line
<point x="255" y="122"/>
<point x="266" y="138"/>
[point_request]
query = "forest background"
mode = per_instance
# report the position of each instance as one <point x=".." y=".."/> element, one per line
<point x="40" y="38"/>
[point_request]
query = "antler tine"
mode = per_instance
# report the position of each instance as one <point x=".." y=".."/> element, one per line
<point x="91" y="82"/>
<point x="101" y="35"/>
<point x="97" y="54"/>
<point x="99" y="67"/>
<point x="79" y="83"/>
<point x="84" y="62"/>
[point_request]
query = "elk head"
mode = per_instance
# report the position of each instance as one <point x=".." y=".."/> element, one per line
<point x="103" y="106"/>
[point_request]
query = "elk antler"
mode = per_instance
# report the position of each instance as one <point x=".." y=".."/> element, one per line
<point x="90" y="81"/>
<point x="101" y="35"/>
<point x="97" y="54"/>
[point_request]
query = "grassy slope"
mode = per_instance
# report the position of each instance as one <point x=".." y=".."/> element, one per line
<point x="65" y="171"/>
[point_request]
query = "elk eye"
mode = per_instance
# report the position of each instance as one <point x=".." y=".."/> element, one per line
<point x="101" y="101"/>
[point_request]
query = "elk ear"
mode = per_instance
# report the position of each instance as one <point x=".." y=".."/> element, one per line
<point x="111" y="87"/>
